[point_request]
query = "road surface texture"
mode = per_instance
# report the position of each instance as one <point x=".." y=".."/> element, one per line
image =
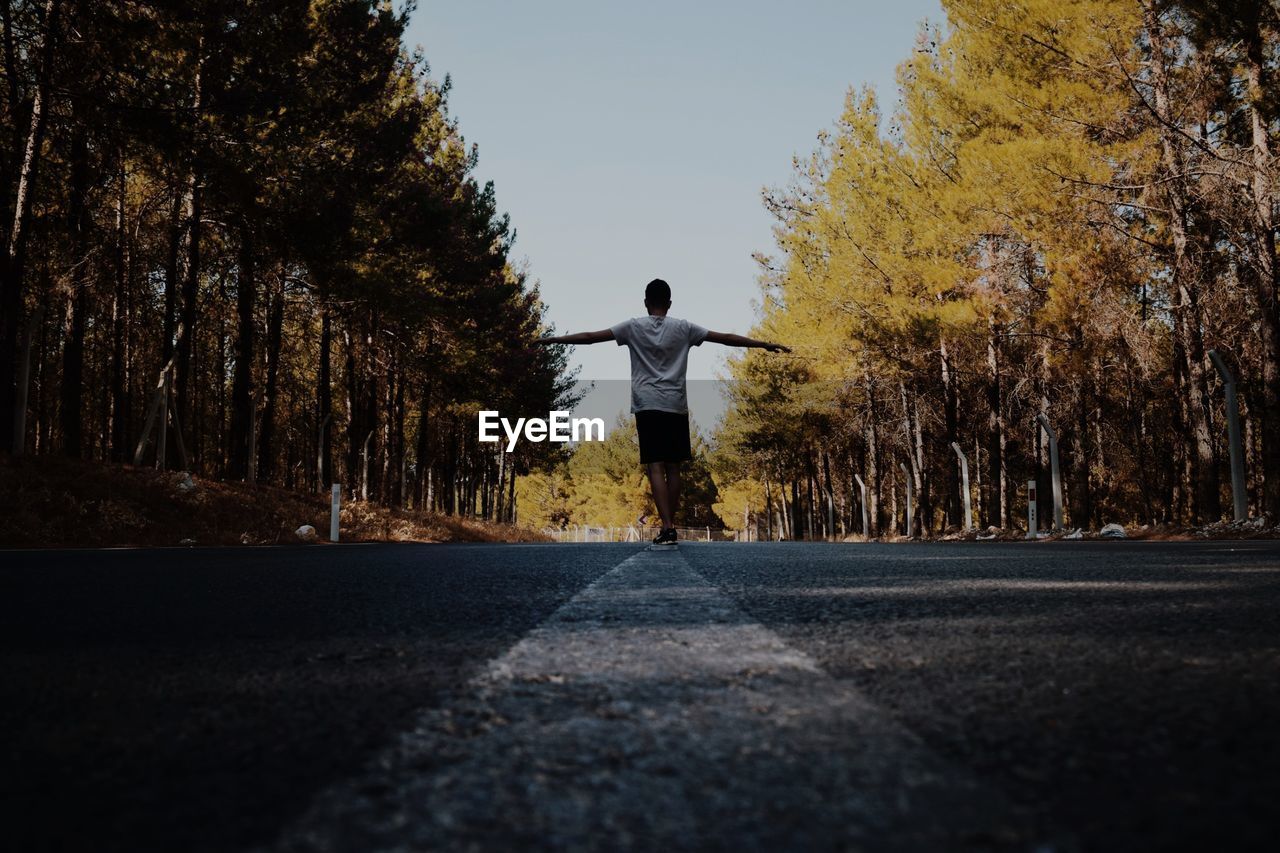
<point x="1047" y="696"/>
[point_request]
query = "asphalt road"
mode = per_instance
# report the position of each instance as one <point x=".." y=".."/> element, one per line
<point x="1106" y="695"/>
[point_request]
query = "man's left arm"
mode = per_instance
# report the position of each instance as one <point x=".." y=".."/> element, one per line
<point x="731" y="340"/>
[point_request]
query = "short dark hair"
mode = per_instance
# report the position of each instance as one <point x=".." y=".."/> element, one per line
<point x="657" y="292"/>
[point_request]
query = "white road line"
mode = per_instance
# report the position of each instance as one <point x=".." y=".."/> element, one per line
<point x="650" y="712"/>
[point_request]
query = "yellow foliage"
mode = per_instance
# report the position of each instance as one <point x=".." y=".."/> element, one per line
<point x="740" y="502"/>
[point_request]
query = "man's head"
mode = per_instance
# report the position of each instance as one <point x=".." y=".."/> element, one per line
<point x="657" y="296"/>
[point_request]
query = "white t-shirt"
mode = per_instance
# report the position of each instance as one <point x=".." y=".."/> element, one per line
<point x="659" y="357"/>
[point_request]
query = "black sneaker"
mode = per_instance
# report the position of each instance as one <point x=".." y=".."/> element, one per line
<point x="666" y="537"/>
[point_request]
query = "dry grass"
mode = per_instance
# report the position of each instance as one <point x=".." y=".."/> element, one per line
<point x="55" y="502"/>
<point x="1254" y="529"/>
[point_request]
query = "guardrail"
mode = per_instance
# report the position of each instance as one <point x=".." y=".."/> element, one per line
<point x="633" y="533"/>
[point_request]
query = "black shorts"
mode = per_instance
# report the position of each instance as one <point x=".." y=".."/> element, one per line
<point x="664" y="436"/>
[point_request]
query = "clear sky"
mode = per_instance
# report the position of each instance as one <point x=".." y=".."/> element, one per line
<point x="631" y="141"/>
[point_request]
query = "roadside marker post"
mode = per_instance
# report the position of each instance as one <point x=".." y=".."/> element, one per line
<point x="333" y="516"/>
<point x="1239" y="497"/>
<point x="1031" y="509"/>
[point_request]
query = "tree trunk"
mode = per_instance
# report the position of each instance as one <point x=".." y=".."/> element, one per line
<point x="324" y="399"/>
<point x="13" y="265"/>
<point x="44" y="373"/>
<point x="1253" y="459"/>
<point x="422" y="461"/>
<point x="893" y="499"/>
<point x="829" y="496"/>
<point x="810" y="527"/>
<point x="780" y="514"/>
<point x="218" y="373"/>
<point x="385" y="414"/>
<point x="500" y="492"/>
<point x="242" y="376"/>
<point x="397" y="440"/>
<point x="172" y="274"/>
<point x="449" y="475"/>
<point x="1266" y="288"/>
<point x="275" y="338"/>
<point x="994" y="505"/>
<point x="78" y="301"/>
<point x="1082" y="499"/>
<point x="923" y="492"/>
<point x="873" y="464"/>
<point x="909" y="441"/>
<point x="11" y="75"/>
<point x="186" y="345"/>
<point x="976" y="470"/>
<point x="511" y="494"/>
<point x="1184" y="282"/>
<point x="768" y="510"/>
<point x="355" y="412"/>
<point x="951" y="426"/>
<point x="797" y="512"/>
<point x="120" y="326"/>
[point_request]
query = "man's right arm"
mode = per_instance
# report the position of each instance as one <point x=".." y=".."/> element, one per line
<point x="579" y="338"/>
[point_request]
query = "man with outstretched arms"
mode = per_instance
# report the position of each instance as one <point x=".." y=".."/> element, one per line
<point x="659" y="347"/>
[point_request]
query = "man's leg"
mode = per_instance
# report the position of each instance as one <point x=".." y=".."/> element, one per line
<point x="661" y="492"/>
<point x="673" y="489"/>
